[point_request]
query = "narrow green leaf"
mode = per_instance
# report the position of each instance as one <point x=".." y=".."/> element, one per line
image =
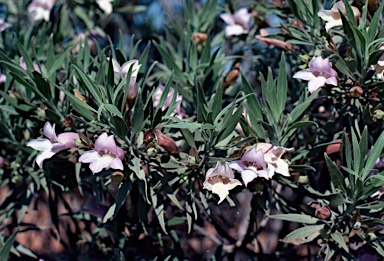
<point x="374" y="154"/>
<point x="300" y="218"/>
<point x="336" y="176"/>
<point x="6" y="248"/>
<point x="303" y="235"/>
<point x="373" y="26"/>
<point x="109" y="213"/>
<point x="282" y="85"/>
<point x="356" y="152"/>
<point x="253" y="108"/>
<point x="122" y="194"/>
<point x="340" y="241"/>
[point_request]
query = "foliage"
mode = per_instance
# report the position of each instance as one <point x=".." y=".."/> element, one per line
<point x="174" y="106"/>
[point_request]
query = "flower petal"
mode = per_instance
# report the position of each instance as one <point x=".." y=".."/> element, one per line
<point x="89" y="156"/>
<point x="234" y="30"/>
<point x="305" y="75"/>
<point x="228" y="18"/>
<point x="49" y="131"/>
<point x="331" y="81"/>
<point x="43" y="156"/>
<point x="102" y="142"/>
<point x="127" y="65"/>
<point x="40" y="144"/>
<point x="116" y="164"/>
<point x="282" y="167"/>
<point x="237" y="165"/>
<point x="316" y="83"/>
<point x="100" y="164"/>
<point x="223" y="189"/>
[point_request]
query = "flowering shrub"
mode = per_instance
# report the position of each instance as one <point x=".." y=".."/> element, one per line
<point x="234" y="132"/>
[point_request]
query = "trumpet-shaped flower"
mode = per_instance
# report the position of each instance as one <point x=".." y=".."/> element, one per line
<point x="220" y="180"/>
<point x="53" y="144"/>
<point x="237" y="23"/>
<point x="157" y="96"/>
<point x="105" y="155"/>
<point x="105" y="5"/>
<point x="333" y="18"/>
<point x="272" y="155"/>
<point x="1" y="162"/>
<point x="252" y="165"/>
<point x="320" y="72"/>
<point x="40" y="9"/>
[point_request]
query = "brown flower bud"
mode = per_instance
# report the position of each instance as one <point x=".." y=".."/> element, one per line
<point x="323" y="212"/>
<point x="231" y="77"/>
<point x="167" y="143"/>
<point x="117" y="177"/>
<point x="334" y="148"/>
<point x="82" y="97"/>
<point x="356" y="91"/>
<point x="199" y="38"/>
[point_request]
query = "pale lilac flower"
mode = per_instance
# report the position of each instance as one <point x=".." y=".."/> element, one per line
<point x="252" y="165"/>
<point x="157" y="96"/>
<point x="220" y="180"/>
<point x="24" y="65"/>
<point x="1" y="162"/>
<point x="272" y="155"/>
<point x="105" y="5"/>
<point x="105" y="155"/>
<point x="237" y="23"/>
<point x="40" y="9"/>
<point x="333" y="18"/>
<point x="4" y="25"/>
<point x="320" y="72"/>
<point x="53" y="144"/>
<point x="122" y="71"/>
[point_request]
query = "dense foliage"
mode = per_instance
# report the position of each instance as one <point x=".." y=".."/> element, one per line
<point x="144" y="130"/>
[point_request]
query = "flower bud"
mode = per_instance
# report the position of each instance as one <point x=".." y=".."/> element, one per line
<point x="378" y="114"/>
<point x="371" y="236"/>
<point x="81" y="97"/>
<point x="323" y="212"/>
<point x="230" y="78"/>
<point x="152" y="152"/>
<point x="303" y="180"/>
<point x="356" y="91"/>
<point x="167" y="143"/>
<point x="199" y="38"/>
<point x="148" y="136"/>
<point x="333" y="148"/>
<point x="357" y="225"/>
<point x="132" y="92"/>
<point x="117" y="177"/>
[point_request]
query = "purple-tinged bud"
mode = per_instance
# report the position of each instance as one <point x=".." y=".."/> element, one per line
<point x="323" y="212"/>
<point x="356" y="91"/>
<point x="167" y="143"/>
